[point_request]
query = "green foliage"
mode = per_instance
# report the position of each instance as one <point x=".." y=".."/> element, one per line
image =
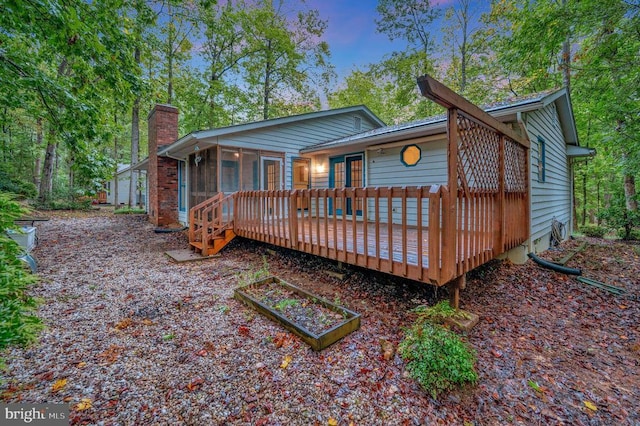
<point x="285" y="303"/>
<point x="129" y="210"/>
<point x="618" y="218"/>
<point x="593" y="231"/>
<point x="437" y="358"/>
<point x="66" y="199"/>
<point x="247" y="277"/>
<point x="632" y="235"/>
<point x="438" y="313"/>
<point x="18" y="325"/>
<point x="16" y="186"/>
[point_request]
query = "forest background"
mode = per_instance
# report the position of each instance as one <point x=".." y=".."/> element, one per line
<point x="76" y="76"/>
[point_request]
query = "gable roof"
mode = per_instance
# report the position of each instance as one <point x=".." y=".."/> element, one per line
<point x="437" y="124"/>
<point x="186" y="143"/>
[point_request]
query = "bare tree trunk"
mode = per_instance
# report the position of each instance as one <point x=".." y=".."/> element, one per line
<point x="115" y="156"/>
<point x="630" y="192"/>
<point x="38" y="163"/>
<point x="135" y="142"/>
<point x="267" y="82"/>
<point x="46" y="183"/>
<point x="71" y="177"/>
<point x="463" y="18"/>
<point x="170" y="39"/>
<point x="566" y="60"/>
<point x="584" y="198"/>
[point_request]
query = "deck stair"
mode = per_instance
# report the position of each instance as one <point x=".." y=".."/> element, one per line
<point x="211" y="225"/>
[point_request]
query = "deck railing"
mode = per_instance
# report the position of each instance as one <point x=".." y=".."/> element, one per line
<point x="404" y="231"/>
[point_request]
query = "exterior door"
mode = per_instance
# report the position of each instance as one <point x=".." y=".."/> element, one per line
<point x="271" y="176"/>
<point x="347" y="172"/>
<point x="300" y="178"/>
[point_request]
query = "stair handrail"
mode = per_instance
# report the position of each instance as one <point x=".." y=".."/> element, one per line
<point x="199" y="223"/>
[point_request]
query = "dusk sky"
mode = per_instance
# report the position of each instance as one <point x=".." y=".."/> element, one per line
<point x="352" y="35"/>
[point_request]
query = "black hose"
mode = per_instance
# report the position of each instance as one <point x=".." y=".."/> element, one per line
<point x="554" y="267"/>
<point x="169" y="230"/>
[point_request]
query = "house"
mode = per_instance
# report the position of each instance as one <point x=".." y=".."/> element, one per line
<point x="263" y="155"/>
<point x="416" y="154"/>
<point x="315" y="182"/>
<point x="123" y="175"/>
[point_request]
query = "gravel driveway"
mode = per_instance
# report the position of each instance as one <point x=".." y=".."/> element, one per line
<point x="135" y="338"/>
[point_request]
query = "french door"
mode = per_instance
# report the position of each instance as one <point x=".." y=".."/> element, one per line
<point x="271" y="176"/>
<point x="347" y="171"/>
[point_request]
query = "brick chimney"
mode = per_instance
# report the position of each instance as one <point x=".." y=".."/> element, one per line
<point x="163" y="171"/>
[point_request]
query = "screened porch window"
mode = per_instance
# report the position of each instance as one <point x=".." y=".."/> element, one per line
<point x="250" y="176"/>
<point x="230" y="171"/>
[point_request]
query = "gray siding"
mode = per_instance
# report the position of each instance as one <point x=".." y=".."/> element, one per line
<point x="552" y="198"/>
<point x="386" y="169"/>
<point x="290" y="138"/>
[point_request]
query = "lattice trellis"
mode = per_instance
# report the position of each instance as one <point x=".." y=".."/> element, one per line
<point x="478" y="156"/>
<point x="515" y="167"/>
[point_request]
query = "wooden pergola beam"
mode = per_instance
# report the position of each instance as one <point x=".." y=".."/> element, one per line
<point x="442" y="95"/>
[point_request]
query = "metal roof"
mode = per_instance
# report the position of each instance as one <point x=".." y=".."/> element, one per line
<point x="186" y="143"/>
<point x="437" y="124"/>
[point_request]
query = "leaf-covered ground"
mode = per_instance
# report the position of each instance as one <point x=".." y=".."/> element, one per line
<point x="134" y="338"/>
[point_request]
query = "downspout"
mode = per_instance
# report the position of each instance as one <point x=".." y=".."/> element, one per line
<point x="522" y="120"/>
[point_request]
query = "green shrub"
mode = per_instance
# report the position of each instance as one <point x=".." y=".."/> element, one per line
<point x="66" y="204"/>
<point x="632" y="235"/>
<point x="594" y="231"/>
<point x="129" y="210"/>
<point x="617" y="218"/>
<point x="17" y="324"/>
<point x="436" y="356"/>
<point x="16" y="186"/>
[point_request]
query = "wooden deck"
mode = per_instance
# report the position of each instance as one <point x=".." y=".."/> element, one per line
<point x="391" y="233"/>
<point x="433" y="234"/>
<point x="335" y="238"/>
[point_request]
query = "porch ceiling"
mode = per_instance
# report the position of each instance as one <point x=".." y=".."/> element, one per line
<point x="189" y="145"/>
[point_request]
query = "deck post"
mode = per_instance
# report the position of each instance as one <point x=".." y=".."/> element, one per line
<point x="455" y="285"/>
<point x="450" y="237"/>
<point x="293" y="219"/>
<point x="500" y="214"/>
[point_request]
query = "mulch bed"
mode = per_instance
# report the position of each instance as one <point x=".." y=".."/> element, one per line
<point x="134" y="338"/>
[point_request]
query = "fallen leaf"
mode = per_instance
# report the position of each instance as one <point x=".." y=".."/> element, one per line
<point x="387" y="349"/>
<point x="285" y="362"/>
<point x="195" y="383"/>
<point x="81" y="364"/>
<point x="147" y="321"/>
<point x="282" y="339"/>
<point x="244" y="331"/>
<point x="84" y="404"/>
<point x="333" y="422"/>
<point x="58" y="385"/>
<point x="590" y="405"/>
<point x="125" y="323"/>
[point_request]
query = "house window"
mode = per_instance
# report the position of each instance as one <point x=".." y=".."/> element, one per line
<point x="410" y="155"/>
<point x="541" y="159"/>
<point x="357" y="123"/>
